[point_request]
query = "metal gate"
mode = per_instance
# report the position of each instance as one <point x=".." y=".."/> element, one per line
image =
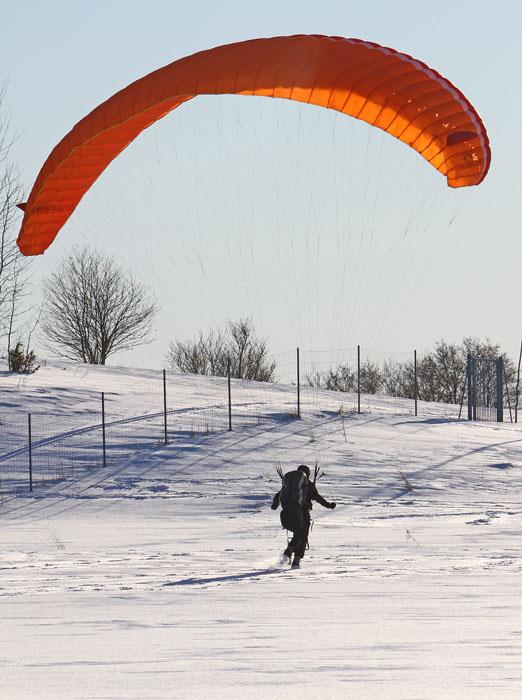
<point x="485" y="389"/>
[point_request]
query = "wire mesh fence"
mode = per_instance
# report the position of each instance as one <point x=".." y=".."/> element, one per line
<point x="194" y="405"/>
<point x="362" y="380"/>
<point x="83" y="429"/>
<point x="255" y="402"/>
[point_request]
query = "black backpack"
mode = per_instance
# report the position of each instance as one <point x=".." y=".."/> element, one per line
<point x="293" y="498"/>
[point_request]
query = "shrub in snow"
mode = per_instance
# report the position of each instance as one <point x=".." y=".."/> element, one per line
<point x="22" y="361"/>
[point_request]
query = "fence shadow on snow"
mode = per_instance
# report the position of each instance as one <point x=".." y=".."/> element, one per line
<point x="86" y="430"/>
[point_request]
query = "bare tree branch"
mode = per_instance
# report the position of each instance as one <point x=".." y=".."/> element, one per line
<point x="93" y="309"/>
<point x="210" y="354"/>
<point x="13" y="267"/>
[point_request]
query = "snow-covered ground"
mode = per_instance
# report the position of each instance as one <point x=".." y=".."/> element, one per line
<point x="160" y="575"/>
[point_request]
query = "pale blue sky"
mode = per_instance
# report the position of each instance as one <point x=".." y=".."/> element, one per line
<point x="63" y="58"/>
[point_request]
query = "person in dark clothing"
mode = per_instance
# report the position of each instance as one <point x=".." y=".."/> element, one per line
<point x="299" y="541"/>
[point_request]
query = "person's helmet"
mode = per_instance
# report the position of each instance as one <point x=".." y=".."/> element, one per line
<point x="305" y="469"/>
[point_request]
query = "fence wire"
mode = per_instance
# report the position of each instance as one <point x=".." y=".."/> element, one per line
<point x="84" y="429"/>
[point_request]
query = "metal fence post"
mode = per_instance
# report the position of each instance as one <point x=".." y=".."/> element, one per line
<point x="103" y="430"/>
<point x="298" y="387"/>
<point x="508" y="399"/>
<point x="165" y="405"/>
<point x="470" y="389"/>
<point x="500" y="390"/>
<point x="415" y="384"/>
<point x="473" y="363"/>
<point x="229" y="396"/>
<point x="30" y="444"/>
<point x="358" y="379"/>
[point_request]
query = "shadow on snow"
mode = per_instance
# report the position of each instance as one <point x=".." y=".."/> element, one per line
<point x="223" y="579"/>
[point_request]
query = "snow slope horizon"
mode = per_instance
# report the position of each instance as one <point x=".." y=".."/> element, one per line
<point x="160" y="576"/>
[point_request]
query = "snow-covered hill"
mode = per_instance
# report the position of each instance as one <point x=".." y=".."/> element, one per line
<point x="160" y="576"/>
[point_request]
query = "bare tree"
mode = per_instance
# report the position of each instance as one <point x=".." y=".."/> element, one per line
<point x="399" y="379"/>
<point x="248" y="353"/>
<point x="211" y="354"/>
<point x="93" y="308"/>
<point x="207" y="354"/>
<point x="449" y="362"/>
<point x="371" y="378"/>
<point x="342" y="378"/>
<point x="13" y="267"/>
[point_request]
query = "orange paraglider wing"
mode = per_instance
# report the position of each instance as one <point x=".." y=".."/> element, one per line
<point x="378" y="85"/>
